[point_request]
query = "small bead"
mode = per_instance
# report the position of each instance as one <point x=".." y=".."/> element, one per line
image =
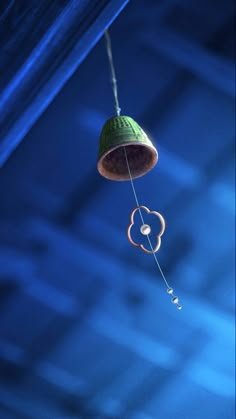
<point x="145" y="229"/>
<point x="174" y="300"/>
<point x="179" y="307"/>
<point x="170" y="290"/>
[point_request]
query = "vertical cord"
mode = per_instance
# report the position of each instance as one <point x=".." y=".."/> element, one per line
<point x="141" y="216"/>
<point x="118" y="109"/>
<point x="113" y="73"/>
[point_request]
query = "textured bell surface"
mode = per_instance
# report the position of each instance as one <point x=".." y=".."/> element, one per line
<point x="117" y="133"/>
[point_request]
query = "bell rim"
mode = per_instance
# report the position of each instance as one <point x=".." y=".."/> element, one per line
<point x="116" y="178"/>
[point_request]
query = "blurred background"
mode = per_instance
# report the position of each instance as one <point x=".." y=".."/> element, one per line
<point x="87" y="329"/>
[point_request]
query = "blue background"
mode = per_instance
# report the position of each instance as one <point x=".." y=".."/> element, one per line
<point x="87" y="329"/>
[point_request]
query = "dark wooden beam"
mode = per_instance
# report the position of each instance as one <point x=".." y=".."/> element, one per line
<point x="70" y="35"/>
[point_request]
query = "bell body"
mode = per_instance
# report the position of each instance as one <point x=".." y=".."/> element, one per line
<point x="117" y="133"/>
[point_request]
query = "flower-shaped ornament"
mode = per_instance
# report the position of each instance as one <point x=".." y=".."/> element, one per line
<point x="146" y="229"/>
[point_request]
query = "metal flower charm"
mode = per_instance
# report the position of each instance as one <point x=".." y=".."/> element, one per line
<point x="146" y="229"/>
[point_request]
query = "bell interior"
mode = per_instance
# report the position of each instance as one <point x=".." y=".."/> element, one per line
<point x="141" y="159"/>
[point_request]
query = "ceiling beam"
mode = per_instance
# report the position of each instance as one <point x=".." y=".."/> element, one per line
<point x="217" y="71"/>
<point x="57" y="55"/>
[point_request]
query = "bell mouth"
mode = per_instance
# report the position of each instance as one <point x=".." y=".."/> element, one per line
<point x="141" y="157"/>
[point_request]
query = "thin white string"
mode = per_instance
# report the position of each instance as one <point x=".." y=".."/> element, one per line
<point x="118" y="110"/>
<point x="141" y="216"/>
<point x="113" y="73"/>
<point x="132" y="184"/>
<point x="158" y="264"/>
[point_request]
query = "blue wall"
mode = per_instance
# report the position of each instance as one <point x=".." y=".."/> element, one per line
<point x="87" y="329"/>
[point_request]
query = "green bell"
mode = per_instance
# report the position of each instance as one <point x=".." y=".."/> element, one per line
<point x="117" y="133"/>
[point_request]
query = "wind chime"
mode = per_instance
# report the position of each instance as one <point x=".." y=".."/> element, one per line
<point x="126" y="153"/>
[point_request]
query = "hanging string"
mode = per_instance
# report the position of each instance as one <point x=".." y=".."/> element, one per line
<point x="141" y="216"/>
<point x="170" y="290"/>
<point x="113" y="73"/>
<point x="118" y="109"/>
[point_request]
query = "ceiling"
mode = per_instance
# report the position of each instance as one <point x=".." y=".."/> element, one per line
<point x="87" y="329"/>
